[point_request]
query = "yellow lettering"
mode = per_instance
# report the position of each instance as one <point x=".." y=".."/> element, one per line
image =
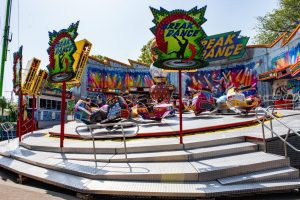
<point x="229" y="39"/>
<point x="204" y="43"/>
<point x="219" y="42"/>
<point x="220" y="52"/>
<point x="237" y="49"/>
<point x="210" y="54"/>
<point x="228" y="51"/>
<point x="210" y="43"/>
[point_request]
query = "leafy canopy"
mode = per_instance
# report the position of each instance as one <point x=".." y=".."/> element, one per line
<point x="283" y="19"/>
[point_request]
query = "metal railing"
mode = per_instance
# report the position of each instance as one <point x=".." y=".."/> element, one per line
<point x="268" y="115"/>
<point x="9" y="128"/>
<point x="293" y="101"/>
<point x="111" y="128"/>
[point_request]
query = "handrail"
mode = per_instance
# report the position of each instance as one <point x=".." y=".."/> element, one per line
<point x="268" y="114"/>
<point x="8" y="127"/>
<point x="95" y="126"/>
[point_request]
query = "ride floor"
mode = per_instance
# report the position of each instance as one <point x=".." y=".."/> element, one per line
<point x="215" y="164"/>
<point x="168" y="126"/>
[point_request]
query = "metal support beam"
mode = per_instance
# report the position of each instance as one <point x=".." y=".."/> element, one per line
<point x="5" y="43"/>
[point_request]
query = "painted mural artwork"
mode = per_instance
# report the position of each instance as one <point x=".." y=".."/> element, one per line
<point x="118" y="78"/>
<point x="287" y="58"/>
<point x="294" y="86"/>
<point x="219" y="80"/>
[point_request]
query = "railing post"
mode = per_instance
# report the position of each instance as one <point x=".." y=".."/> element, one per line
<point x="263" y="132"/>
<point x="124" y="140"/>
<point x="94" y="146"/>
<point x="285" y="140"/>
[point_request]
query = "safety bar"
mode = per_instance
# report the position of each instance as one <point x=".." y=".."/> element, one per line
<point x="270" y="115"/>
<point x="8" y="128"/>
<point x="115" y="127"/>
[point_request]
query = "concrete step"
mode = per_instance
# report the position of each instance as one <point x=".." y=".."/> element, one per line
<point x="284" y="173"/>
<point x="208" y="189"/>
<point x="139" y="146"/>
<point x="170" y="156"/>
<point x="202" y="170"/>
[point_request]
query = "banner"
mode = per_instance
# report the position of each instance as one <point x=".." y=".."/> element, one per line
<point x="80" y="59"/>
<point x="61" y="50"/>
<point x="224" y="46"/>
<point x="178" y="36"/>
<point x="17" y="70"/>
<point x="32" y="68"/>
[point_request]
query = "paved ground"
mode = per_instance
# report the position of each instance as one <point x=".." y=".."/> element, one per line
<point x="31" y="189"/>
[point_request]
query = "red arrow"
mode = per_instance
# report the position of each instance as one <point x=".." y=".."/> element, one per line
<point x="193" y="49"/>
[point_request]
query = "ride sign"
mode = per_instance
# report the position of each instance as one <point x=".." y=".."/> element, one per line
<point x="61" y="50"/>
<point x="178" y="36"/>
<point x="226" y="45"/>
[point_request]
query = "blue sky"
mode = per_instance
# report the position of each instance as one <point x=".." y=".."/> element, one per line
<point x="117" y="28"/>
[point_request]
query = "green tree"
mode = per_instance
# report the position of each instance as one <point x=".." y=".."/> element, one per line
<point x="146" y="55"/>
<point x="13" y="112"/>
<point x="3" y="105"/>
<point x="102" y="58"/>
<point x="283" y="19"/>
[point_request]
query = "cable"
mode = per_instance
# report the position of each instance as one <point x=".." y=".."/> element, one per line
<point x="18" y="23"/>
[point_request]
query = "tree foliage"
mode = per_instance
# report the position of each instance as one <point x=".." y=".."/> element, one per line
<point x="3" y="105"/>
<point x="100" y="57"/>
<point x="145" y="56"/>
<point x="13" y="112"/>
<point x="283" y="19"/>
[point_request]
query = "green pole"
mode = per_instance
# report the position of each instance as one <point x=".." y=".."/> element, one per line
<point x="5" y="43"/>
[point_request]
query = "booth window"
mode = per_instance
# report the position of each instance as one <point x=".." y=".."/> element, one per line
<point x="58" y="105"/>
<point x="43" y="103"/>
<point x="54" y="104"/>
<point x="30" y="103"/>
<point x="48" y="104"/>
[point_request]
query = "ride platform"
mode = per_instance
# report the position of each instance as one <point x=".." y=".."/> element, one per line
<point x="168" y="126"/>
<point x="206" y="165"/>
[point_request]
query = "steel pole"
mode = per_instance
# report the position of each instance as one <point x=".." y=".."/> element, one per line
<point x="32" y="114"/>
<point x="180" y="107"/>
<point x="20" y="121"/>
<point x="62" y="117"/>
<point x="5" y="43"/>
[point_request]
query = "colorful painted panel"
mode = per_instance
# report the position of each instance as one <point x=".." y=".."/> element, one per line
<point x="117" y="78"/>
<point x="218" y="80"/>
<point x="294" y="85"/>
<point x="287" y="58"/>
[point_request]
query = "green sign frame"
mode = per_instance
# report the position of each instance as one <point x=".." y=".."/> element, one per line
<point x="178" y="36"/>
<point x="61" y="50"/>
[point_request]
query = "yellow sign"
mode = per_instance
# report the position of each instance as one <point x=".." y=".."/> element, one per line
<point x="39" y="82"/>
<point x="80" y="59"/>
<point x="31" y="68"/>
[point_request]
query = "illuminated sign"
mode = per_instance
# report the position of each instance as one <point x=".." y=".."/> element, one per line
<point x="39" y="82"/>
<point x="80" y="59"/>
<point x="226" y="45"/>
<point x="178" y="36"/>
<point x="31" y="69"/>
<point x="56" y="92"/>
<point x="267" y="76"/>
<point x="61" y="50"/>
<point x="283" y="72"/>
<point x="17" y="70"/>
<point x="295" y="69"/>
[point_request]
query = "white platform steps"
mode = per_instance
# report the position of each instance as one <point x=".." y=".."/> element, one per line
<point x="199" y="169"/>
